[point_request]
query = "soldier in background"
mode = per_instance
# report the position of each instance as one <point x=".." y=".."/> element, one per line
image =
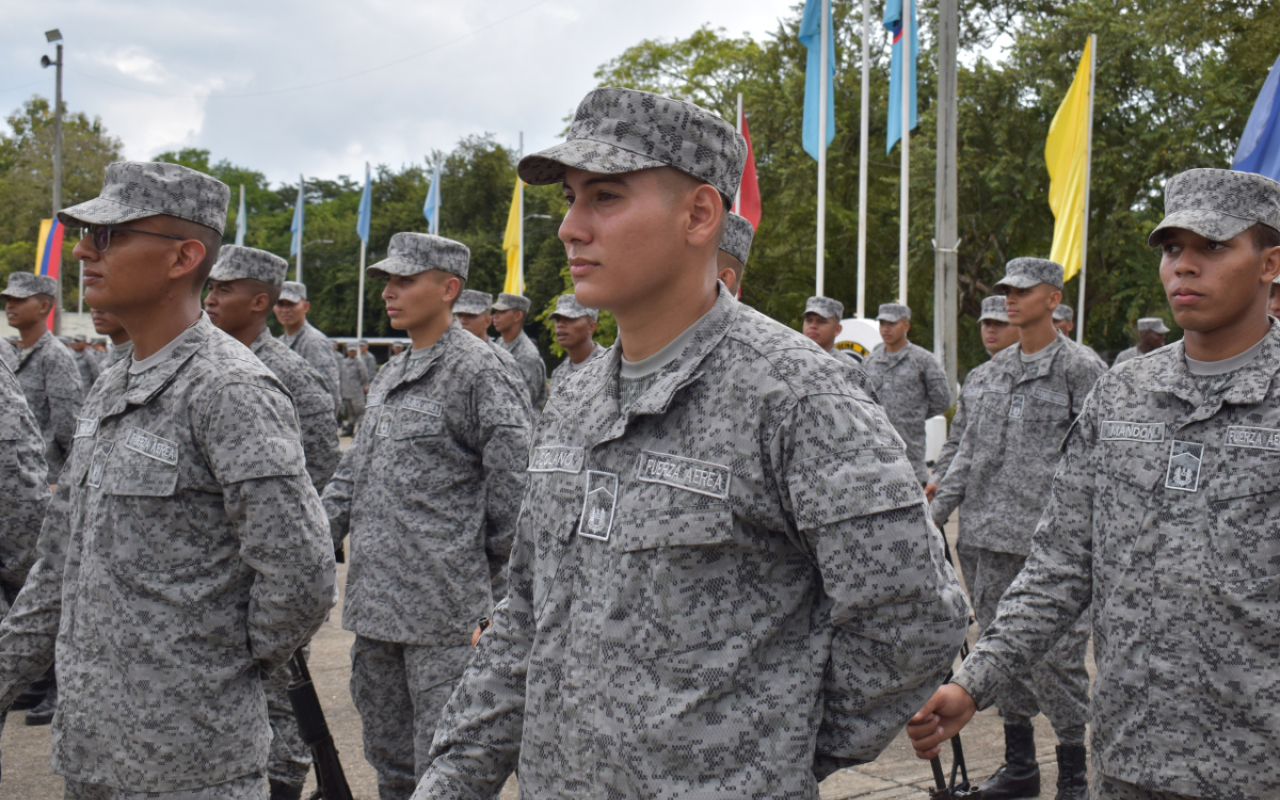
<point x="354" y="376"/>
<point x="1151" y="336"/>
<point x="909" y="382"/>
<point x="397" y="348"/>
<point x="575" y="329"/>
<point x="85" y="361"/>
<point x="735" y="247"/>
<point x="109" y="325"/>
<point x="822" y="317"/>
<point x="509" y="314"/>
<point x="473" y="311"/>
<point x="369" y="359"/>
<point x="429" y="493"/>
<point x="306" y="340"/>
<point x="9" y="355"/>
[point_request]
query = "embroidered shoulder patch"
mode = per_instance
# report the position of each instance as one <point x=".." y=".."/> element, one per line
<point x="152" y="446"/>
<point x="689" y="474"/>
<point x="557" y="458"/>
<point x="86" y="427"/>
<point x="1254" y="438"/>
<point x="1049" y="396"/>
<point x="423" y="406"/>
<point x="1119" y="430"/>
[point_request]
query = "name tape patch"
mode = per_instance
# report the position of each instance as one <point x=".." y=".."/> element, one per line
<point x="152" y="446"/>
<point x="1049" y="396"/>
<point x="423" y="406"/>
<point x="86" y="427"/>
<point x="1119" y="430"/>
<point x="557" y="458"/>
<point x="689" y="474"/>
<point x="1253" y="438"/>
<point x="372" y="399"/>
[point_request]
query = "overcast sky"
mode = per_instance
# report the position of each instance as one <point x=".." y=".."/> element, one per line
<point x="274" y="85"/>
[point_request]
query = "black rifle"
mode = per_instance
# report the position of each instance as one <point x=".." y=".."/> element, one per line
<point x="959" y="786"/>
<point x="331" y="781"/>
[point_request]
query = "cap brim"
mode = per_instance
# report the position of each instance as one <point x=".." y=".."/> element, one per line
<point x="101" y="211"/>
<point x="1018" y="282"/>
<point x="986" y="317"/>
<point x="393" y="266"/>
<point x="290" y="297"/>
<point x="18" y="295"/>
<point x="888" y="319"/>
<point x="1212" y="225"/>
<point x="547" y="166"/>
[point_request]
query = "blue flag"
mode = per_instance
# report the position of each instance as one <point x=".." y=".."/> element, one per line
<point x="811" y="37"/>
<point x="366" y="207"/>
<point x="893" y="21"/>
<point x="241" y="222"/>
<point x="296" y="225"/>
<point x="1259" y="149"/>
<point x="431" y="208"/>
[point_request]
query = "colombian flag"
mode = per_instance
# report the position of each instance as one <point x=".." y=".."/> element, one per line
<point x="49" y="255"/>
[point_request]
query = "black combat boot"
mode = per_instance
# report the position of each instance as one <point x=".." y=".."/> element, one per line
<point x="43" y="713"/>
<point x="1072" y="782"/>
<point x="34" y="693"/>
<point x="1020" y="775"/>
<point x="284" y="791"/>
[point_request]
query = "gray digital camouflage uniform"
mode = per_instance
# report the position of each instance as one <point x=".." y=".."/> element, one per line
<point x="121" y="352"/>
<point x="370" y="365"/>
<point x="51" y="381"/>
<point x="24" y="487"/>
<point x="532" y="367"/>
<point x="429" y="493"/>
<point x="9" y="356"/>
<point x="513" y="368"/>
<point x="312" y="402"/>
<point x="1125" y="355"/>
<point x="566" y="367"/>
<point x="184" y="555"/>
<point x="89" y="366"/>
<point x="316" y="348"/>
<point x="912" y="387"/>
<point x="354" y="376"/>
<point x="706" y="604"/>
<point x="1163" y="523"/>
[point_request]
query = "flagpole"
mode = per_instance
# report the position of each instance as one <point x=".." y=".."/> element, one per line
<point x="1088" y="169"/>
<point x="360" y="279"/>
<point x="904" y="95"/>
<point x="435" y="212"/>
<point x="737" y="198"/>
<point x="240" y="222"/>
<point x="298" y="212"/>
<point x="863" y="158"/>
<point x="520" y="210"/>
<point x="823" y="33"/>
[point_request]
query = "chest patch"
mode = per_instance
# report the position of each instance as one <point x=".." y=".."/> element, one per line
<point x="598" y="505"/>
<point x="373" y="399"/>
<point x="86" y="427"/>
<point x="1057" y="398"/>
<point x="1253" y="438"/>
<point x="557" y="458"/>
<point x="1183" y="473"/>
<point x="1016" y="402"/>
<point x="1119" y="430"/>
<point x="99" y="463"/>
<point x="384" y="424"/>
<point x="423" y="406"/>
<point x="152" y="446"/>
<point x="689" y="474"/>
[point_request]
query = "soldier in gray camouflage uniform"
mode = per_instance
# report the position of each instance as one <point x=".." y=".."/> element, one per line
<point x="109" y="325"/>
<point x="369" y="359"/>
<point x="185" y="553"/>
<point x="723" y="553"/>
<point x="429" y="493"/>
<point x="1151" y="336"/>
<point x="511" y="312"/>
<point x="1000" y="480"/>
<point x="822" y="317"/>
<point x="85" y="361"/>
<point x="909" y="382"/>
<point x="474" y="312"/>
<point x="575" y="327"/>
<point x="735" y="248"/>
<point x="9" y="355"/>
<point x="354" y="376"/>
<point x="1164" y="524"/>
<point x="306" y="339"/>
<point x="47" y="371"/>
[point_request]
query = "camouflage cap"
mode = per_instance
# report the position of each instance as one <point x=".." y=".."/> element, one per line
<point x="738" y="234"/>
<point x="136" y="189"/>
<point x="352" y="347"/>
<point x="892" y="312"/>
<point x="567" y="306"/>
<point x="1219" y="204"/>
<point x="99" y="340"/>
<point x="1152" y="324"/>
<point x="236" y="262"/>
<point x="362" y="342"/>
<point x="293" y="292"/>
<point x="623" y="130"/>
<point x="824" y="307"/>
<point x="80" y="337"/>
<point x="517" y="301"/>
<point x="1064" y="311"/>
<point x="993" y="308"/>
<point x="472" y="301"/>
<point x="26" y="284"/>
<point x="1023" y="273"/>
<point x="412" y="253"/>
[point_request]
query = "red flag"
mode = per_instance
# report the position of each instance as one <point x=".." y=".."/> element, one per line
<point x="749" y="194"/>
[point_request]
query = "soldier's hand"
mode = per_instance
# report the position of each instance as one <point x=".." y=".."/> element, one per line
<point x="949" y="710"/>
<point x="930" y="490"/>
<point x="475" y="635"/>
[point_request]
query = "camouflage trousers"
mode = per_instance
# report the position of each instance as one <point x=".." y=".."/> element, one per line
<point x="250" y="787"/>
<point x="1105" y="787"/>
<point x="354" y="409"/>
<point x="1059" y="684"/>
<point x="290" y="758"/>
<point x="399" y="690"/>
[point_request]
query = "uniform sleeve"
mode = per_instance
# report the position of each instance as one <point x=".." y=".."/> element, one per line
<point x="897" y="607"/>
<point x="24" y="488"/>
<point x="536" y="375"/>
<point x="949" y="447"/>
<point x="340" y="490"/>
<point x="937" y="390"/>
<point x="1056" y="584"/>
<point x="951" y="488"/>
<point x="1083" y="374"/>
<point x="319" y="437"/>
<point x="501" y="435"/>
<point x="258" y="460"/>
<point x="65" y="392"/>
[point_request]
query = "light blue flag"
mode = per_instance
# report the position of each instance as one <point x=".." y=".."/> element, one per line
<point x="431" y="208"/>
<point x="366" y="207"/>
<point x="241" y="222"/>
<point x="810" y="36"/>
<point x="296" y="227"/>
<point x="1259" y="149"/>
<point x="893" y="22"/>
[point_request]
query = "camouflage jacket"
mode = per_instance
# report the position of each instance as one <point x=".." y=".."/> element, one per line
<point x="312" y="402"/>
<point x="1164" y="522"/>
<point x="1125" y="355"/>
<point x="90" y="368"/>
<point x="184" y="555"/>
<point x="566" y="367"/>
<point x="120" y="352"/>
<point x="702" y="603"/>
<point x="51" y="381"/>
<point x="370" y="365"/>
<point x="24" y="487"/>
<point x="354" y="376"/>
<point x="1001" y="472"/>
<point x="912" y="387"/>
<point x="532" y="366"/>
<point x="9" y="355"/>
<point x="971" y="392"/>
<point x="429" y="493"/>
<point x="316" y="348"/>
<point x="513" y="368"/>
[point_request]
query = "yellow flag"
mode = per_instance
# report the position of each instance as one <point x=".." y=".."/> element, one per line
<point x="1066" y="154"/>
<point x="511" y="244"/>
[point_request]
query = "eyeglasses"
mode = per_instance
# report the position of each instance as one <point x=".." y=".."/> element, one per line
<point x="101" y="235"/>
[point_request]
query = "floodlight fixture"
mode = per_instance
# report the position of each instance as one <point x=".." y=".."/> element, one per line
<point x="54" y="35"/>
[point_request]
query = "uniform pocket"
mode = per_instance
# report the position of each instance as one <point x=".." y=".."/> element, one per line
<point x="411" y="423"/>
<point x="1244" y="522"/>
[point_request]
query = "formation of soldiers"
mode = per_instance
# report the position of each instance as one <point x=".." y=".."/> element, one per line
<point x="703" y="562"/>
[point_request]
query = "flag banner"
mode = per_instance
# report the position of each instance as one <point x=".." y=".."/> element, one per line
<point x="749" y="193"/>
<point x="241" y="222"/>
<point x="893" y="22"/>
<point x="514" y="283"/>
<point x="431" y="208"/>
<point x="1259" y="149"/>
<point x="1066" y="155"/>
<point x="296" y="226"/>
<point x="810" y="36"/>
<point x="49" y="255"/>
<point x="366" y="207"/>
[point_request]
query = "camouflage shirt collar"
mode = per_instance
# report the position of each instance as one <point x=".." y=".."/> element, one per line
<point x="140" y="389"/>
<point x="1167" y="373"/>
<point x="411" y="369"/>
<point x="262" y="340"/>
<point x="26" y="353"/>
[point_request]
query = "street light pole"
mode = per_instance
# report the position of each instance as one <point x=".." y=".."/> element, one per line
<point x="56" y="36"/>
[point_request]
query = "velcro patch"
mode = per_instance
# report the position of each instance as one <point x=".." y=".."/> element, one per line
<point x="1119" y="430"/>
<point x="373" y="399"/>
<point x="1253" y="438"/>
<point x="557" y="458"/>
<point x="689" y="474"/>
<point x="1057" y="398"/>
<point x="423" y="406"/>
<point x="152" y="446"/>
<point x="86" y="427"/>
